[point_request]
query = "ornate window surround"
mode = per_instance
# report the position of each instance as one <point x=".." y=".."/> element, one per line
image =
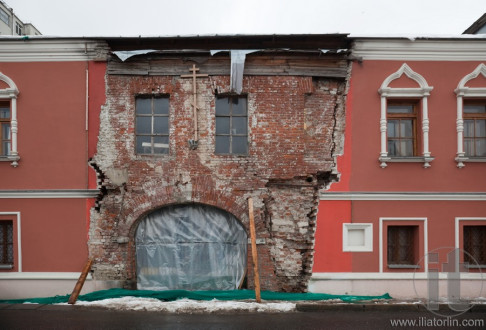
<point x="421" y="92"/>
<point x="11" y="93"/>
<point x="462" y="91"/>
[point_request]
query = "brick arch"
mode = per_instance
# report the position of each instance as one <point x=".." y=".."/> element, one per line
<point x="131" y="253"/>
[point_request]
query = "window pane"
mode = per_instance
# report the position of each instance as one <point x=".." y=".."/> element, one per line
<point x="5" y="131"/>
<point x="143" y="106"/>
<point x="144" y="125"/>
<point x="469" y="147"/>
<point x="406" y="148"/>
<point x="393" y="147"/>
<point x="239" y="106"/>
<point x="143" y="145"/>
<point x="406" y="128"/>
<point x="6" y="148"/>
<point x="4" y="112"/>
<point x="400" y="108"/>
<point x="222" y="125"/>
<point x="393" y="128"/>
<point x="161" y="145"/>
<point x="161" y="125"/>
<point x="222" y="106"/>
<point x="474" y="108"/>
<point x="239" y="125"/>
<point x="161" y="106"/>
<point x="480" y="147"/>
<point x="469" y="128"/>
<point x="480" y="126"/>
<point x="240" y="145"/>
<point x="222" y="144"/>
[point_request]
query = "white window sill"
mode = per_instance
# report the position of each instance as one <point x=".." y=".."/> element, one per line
<point x="463" y="159"/>
<point x="6" y="266"/>
<point x="398" y="266"/>
<point x="12" y="159"/>
<point x="422" y="159"/>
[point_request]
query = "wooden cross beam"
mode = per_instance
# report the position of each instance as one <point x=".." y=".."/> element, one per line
<point x="194" y="75"/>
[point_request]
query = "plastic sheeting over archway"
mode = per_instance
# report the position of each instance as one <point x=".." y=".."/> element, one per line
<point x="190" y="247"/>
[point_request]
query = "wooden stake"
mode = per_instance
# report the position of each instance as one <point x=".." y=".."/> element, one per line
<point x="254" y="251"/>
<point x="80" y="283"/>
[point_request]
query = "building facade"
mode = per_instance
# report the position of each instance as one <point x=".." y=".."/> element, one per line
<point x="10" y="24"/>
<point x="411" y="185"/>
<point x="50" y="96"/>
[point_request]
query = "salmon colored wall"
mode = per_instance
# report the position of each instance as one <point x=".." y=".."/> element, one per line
<point x="97" y="97"/>
<point x="53" y="233"/>
<point x="328" y="250"/>
<point x="366" y="174"/>
<point x="51" y="122"/>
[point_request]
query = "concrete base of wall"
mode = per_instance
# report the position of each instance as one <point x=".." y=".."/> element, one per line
<point x="399" y="286"/>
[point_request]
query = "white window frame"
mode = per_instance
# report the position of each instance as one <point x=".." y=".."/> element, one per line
<point x="10" y="93"/>
<point x="462" y="91"/>
<point x="426" y="242"/>
<point x="368" y="237"/>
<point x="422" y="92"/>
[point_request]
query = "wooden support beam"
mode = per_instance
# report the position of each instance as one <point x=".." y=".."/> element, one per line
<point x="80" y="283"/>
<point x="254" y="251"/>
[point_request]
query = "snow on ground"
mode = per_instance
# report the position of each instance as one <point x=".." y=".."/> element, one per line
<point x="189" y="306"/>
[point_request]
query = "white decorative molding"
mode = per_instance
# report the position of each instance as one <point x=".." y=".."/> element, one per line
<point x="11" y="93"/>
<point x="386" y="92"/>
<point x="388" y="276"/>
<point x="19" y="238"/>
<point x="426" y="243"/>
<point x="402" y="196"/>
<point x="462" y="91"/>
<point x="367" y="231"/>
<point x="52" y="49"/>
<point x="420" y="49"/>
<point x="456" y="227"/>
<point x="60" y="193"/>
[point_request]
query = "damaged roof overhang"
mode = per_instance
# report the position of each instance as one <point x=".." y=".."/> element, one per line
<point x="302" y="42"/>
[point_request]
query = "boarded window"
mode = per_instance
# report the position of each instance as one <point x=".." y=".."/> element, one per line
<point x="231" y="125"/>
<point x="152" y="125"/>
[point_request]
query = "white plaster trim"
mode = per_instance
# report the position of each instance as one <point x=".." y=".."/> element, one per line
<point x="61" y="193"/>
<point x="426" y="243"/>
<point x="462" y="92"/>
<point x="11" y="93"/>
<point x="368" y="237"/>
<point x="19" y="238"/>
<point x="422" y="92"/>
<point x="399" y="196"/>
<point x="388" y="276"/>
<point x="51" y="50"/>
<point x="456" y="227"/>
<point x="419" y="50"/>
<point x="41" y="276"/>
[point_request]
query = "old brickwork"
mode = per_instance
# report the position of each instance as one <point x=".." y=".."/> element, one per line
<point x="293" y="121"/>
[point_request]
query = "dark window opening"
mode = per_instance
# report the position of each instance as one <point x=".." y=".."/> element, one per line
<point x="475" y="245"/>
<point x="6" y="242"/>
<point x="231" y="125"/>
<point x="152" y="125"/>
<point x="402" y="245"/>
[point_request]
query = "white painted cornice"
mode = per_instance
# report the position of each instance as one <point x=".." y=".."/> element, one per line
<point x="420" y="50"/>
<point x="57" y="193"/>
<point x="51" y="50"/>
<point x="403" y="196"/>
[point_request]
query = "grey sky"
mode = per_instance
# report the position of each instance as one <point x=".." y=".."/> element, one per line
<point x="190" y="17"/>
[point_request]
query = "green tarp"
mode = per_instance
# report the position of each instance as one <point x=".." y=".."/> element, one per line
<point x="172" y="295"/>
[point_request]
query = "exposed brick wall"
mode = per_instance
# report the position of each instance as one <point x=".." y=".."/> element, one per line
<point x="292" y="121"/>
